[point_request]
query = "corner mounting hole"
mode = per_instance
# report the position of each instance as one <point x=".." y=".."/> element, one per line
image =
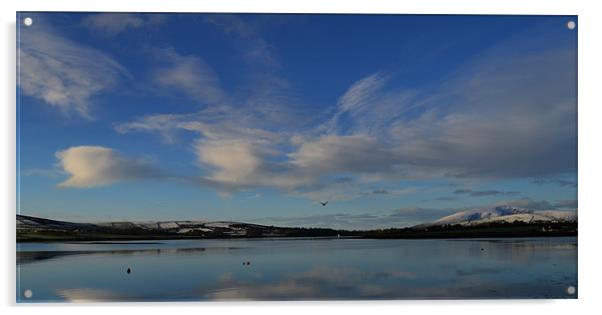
<point x="27" y="293"/>
<point x="27" y="21"/>
<point x="571" y="25"/>
<point x="571" y="290"/>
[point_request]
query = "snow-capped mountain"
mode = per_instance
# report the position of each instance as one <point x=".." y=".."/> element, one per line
<point x="505" y="214"/>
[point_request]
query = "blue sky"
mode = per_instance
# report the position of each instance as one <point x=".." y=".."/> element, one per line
<point x="395" y="119"/>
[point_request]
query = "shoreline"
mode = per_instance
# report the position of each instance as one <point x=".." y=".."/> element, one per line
<point x="156" y="240"/>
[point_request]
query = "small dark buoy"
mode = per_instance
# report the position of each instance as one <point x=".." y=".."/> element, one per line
<point x="129" y="270"/>
<point x="482" y="248"/>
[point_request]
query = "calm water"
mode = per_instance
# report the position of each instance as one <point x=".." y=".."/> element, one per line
<point x="298" y="269"/>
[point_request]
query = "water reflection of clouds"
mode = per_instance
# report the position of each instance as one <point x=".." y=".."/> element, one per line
<point x="83" y="295"/>
<point x="349" y="274"/>
<point x="511" y="250"/>
<point x="316" y="283"/>
<point x="477" y="271"/>
<point x="325" y="283"/>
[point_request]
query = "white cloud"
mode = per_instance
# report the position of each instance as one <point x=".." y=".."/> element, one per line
<point x="62" y="73"/>
<point x="344" y="154"/>
<point x="92" y="166"/>
<point x="235" y="161"/>
<point x="474" y="135"/>
<point x="245" y="164"/>
<point x="115" y="23"/>
<point x="511" y="117"/>
<point x="239" y="165"/>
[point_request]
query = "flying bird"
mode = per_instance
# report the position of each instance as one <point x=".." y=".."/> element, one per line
<point x="324" y="203"/>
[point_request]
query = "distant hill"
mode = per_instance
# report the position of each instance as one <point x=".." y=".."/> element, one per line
<point x="33" y="223"/>
<point x="499" y="221"/>
<point x="40" y="229"/>
<point x="504" y="214"/>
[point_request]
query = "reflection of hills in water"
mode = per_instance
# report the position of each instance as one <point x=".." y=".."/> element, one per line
<point x="25" y="257"/>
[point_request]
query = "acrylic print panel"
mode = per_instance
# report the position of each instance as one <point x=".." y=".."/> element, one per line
<point x="201" y="157"/>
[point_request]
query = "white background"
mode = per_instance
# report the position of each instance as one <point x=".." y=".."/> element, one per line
<point x="590" y="131"/>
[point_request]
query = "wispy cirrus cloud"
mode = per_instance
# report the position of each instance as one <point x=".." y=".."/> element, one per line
<point x="367" y="107"/>
<point x="62" y="73"/>
<point x="559" y="182"/>
<point x="212" y="123"/>
<point x="191" y="75"/>
<point x="481" y="193"/>
<point x="469" y="128"/>
<point x="530" y="204"/>
<point x="115" y="23"/>
<point x="567" y="203"/>
<point x="254" y="48"/>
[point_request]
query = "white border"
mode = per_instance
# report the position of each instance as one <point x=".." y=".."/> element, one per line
<point x="589" y="23"/>
<point x="321" y="6"/>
